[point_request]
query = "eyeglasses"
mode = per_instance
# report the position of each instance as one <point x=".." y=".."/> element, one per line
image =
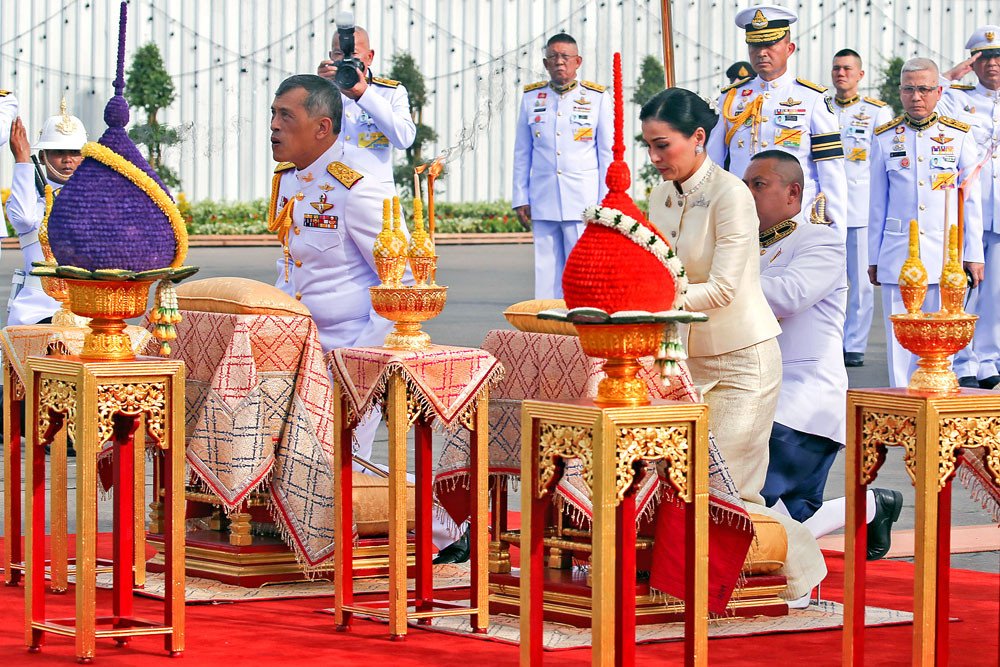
<point x="913" y="90"/>
<point x="559" y="57"/>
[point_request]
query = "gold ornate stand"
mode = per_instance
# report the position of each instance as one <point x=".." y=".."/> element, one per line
<point x="932" y="429"/>
<point x="613" y="444"/>
<point x="99" y="402"/>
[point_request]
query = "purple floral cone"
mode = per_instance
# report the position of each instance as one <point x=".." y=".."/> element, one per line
<point x="101" y="220"/>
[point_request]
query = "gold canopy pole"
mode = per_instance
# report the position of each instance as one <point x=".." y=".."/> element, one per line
<point x="668" y="42"/>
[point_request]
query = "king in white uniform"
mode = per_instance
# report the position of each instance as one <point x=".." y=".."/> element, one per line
<point x="979" y="105"/>
<point x="776" y="110"/>
<point x="918" y="161"/>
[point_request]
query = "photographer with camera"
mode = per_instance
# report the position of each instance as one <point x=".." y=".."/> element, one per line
<point x="376" y="110"/>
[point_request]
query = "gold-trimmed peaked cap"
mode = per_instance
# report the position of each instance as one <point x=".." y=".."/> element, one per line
<point x="985" y="40"/>
<point x="765" y="24"/>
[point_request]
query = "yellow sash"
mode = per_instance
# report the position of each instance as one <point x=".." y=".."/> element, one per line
<point x="281" y="222"/>
<point x="751" y="111"/>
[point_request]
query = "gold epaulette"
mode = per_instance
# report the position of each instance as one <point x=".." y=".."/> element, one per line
<point x="951" y="122"/>
<point x="961" y="86"/>
<point x="876" y="102"/>
<point x="809" y="84"/>
<point x="888" y="126"/>
<point x="284" y="166"/>
<point x="388" y="83"/>
<point x="535" y="86"/>
<point x="4" y="93"/>
<point x="347" y="176"/>
<point x="735" y="84"/>
<point x="596" y="87"/>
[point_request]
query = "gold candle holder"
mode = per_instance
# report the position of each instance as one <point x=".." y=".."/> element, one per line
<point x="408" y="307"/>
<point x="621" y="345"/>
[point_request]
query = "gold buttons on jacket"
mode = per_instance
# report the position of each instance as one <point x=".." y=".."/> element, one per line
<point x="298" y="262"/>
<point x="296" y="230"/>
<point x="298" y="295"/>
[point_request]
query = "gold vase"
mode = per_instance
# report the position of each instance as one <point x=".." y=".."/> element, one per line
<point x="913" y="297"/>
<point x="390" y="269"/>
<point x="108" y="304"/>
<point x="423" y="270"/>
<point x="408" y="307"/>
<point x="934" y="337"/>
<point x="59" y="290"/>
<point x="621" y="345"/>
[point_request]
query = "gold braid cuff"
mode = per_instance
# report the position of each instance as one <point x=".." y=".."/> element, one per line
<point x="144" y="182"/>
<point x="752" y="111"/>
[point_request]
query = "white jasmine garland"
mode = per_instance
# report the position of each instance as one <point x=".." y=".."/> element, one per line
<point x="646" y="238"/>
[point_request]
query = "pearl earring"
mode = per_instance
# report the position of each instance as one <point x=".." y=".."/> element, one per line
<point x="699" y="149"/>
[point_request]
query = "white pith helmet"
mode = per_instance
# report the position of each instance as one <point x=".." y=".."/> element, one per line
<point x="62" y="133"/>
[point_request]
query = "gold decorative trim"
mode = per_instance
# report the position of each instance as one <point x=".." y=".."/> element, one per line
<point x="56" y="396"/>
<point x="138" y="398"/>
<point x="881" y="430"/>
<point x="565" y="442"/>
<point x="652" y="443"/>
<point x="968" y="433"/>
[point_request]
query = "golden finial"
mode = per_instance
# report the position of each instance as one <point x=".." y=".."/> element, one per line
<point x="952" y="283"/>
<point x="389" y="251"/>
<point x="913" y="275"/>
<point x="397" y="221"/>
<point x="66" y="124"/>
<point x="421" y="250"/>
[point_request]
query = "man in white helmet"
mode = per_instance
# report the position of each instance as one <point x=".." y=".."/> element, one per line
<point x="58" y="147"/>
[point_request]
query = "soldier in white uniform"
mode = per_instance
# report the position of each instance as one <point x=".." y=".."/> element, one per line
<point x="58" y="147"/>
<point x="979" y="105"/>
<point x="858" y="116"/>
<point x="562" y="150"/>
<point x="799" y="273"/>
<point x="917" y="158"/>
<point x="376" y="116"/>
<point x="777" y="110"/>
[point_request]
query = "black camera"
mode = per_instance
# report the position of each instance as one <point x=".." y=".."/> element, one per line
<point x="350" y="68"/>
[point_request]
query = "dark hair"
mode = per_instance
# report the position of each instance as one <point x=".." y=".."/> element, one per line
<point x="560" y="38"/>
<point x="843" y="53"/>
<point x="785" y="158"/>
<point x="323" y="98"/>
<point x="682" y="109"/>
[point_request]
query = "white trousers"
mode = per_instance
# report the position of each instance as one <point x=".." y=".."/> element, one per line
<point x="553" y="242"/>
<point x="987" y="338"/>
<point x="860" y="292"/>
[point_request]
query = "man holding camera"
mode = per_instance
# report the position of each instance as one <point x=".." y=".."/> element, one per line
<point x="376" y="110"/>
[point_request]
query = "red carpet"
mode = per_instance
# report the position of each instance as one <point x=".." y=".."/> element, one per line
<point x="290" y="632"/>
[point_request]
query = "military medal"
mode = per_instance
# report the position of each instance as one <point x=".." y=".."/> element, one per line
<point x="862" y="116"/>
<point x="325" y="187"/>
<point x="322" y="206"/>
<point x="941" y="138"/>
<point x="905" y="162"/>
<point x="900" y="129"/>
<point x="790" y="102"/>
<point x="669" y="202"/>
<point x="309" y="178"/>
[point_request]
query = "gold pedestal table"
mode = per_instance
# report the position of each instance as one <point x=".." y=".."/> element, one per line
<point x="443" y="384"/>
<point x="613" y="445"/>
<point x="99" y="402"/>
<point x="932" y="429"/>
<point x="19" y="343"/>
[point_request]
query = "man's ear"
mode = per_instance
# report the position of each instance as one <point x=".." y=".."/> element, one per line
<point x="325" y="128"/>
<point x="795" y="191"/>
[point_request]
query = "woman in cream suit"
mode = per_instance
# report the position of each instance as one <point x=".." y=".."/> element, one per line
<point x="709" y="217"/>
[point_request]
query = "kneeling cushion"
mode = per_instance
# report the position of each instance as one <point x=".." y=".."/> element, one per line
<point x="371" y="505"/>
<point x="238" y="296"/>
<point x="769" y="547"/>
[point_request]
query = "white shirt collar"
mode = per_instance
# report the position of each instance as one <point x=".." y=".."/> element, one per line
<point x="783" y="80"/>
<point x="331" y="154"/>
<point x="986" y="92"/>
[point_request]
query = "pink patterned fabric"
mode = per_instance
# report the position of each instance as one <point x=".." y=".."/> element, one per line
<point x="445" y="380"/>
<point x="260" y="415"/>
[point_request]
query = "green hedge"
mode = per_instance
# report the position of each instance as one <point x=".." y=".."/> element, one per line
<point x="211" y="217"/>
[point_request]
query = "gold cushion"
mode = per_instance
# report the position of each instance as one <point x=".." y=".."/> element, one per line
<point x="769" y="548"/>
<point x="371" y="505"/>
<point x="523" y="316"/>
<point x="238" y="296"/>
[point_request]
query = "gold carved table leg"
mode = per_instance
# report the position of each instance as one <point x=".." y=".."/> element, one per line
<point x="13" y="401"/>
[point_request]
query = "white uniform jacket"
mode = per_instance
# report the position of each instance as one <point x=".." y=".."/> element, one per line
<point x="858" y="121"/>
<point x="8" y="112"/>
<point x="912" y="172"/>
<point x="562" y="150"/>
<point x="25" y="210"/>
<point x="980" y="107"/>
<point x="788" y="114"/>
<point x="804" y="283"/>
<point x="378" y="121"/>
<point x="336" y="214"/>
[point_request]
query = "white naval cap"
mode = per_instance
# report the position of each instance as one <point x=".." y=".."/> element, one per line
<point x="986" y="38"/>
<point x="62" y="132"/>
<point x="765" y="24"/>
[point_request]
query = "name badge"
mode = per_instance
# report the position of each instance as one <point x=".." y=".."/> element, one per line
<point x="897" y="154"/>
<point x="580" y="118"/>
<point x="365" y="119"/>
<point x="943" y="161"/>
<point x="319" y="221"/>
<point x="583" y="134"/>
<point x="857" y="155"/>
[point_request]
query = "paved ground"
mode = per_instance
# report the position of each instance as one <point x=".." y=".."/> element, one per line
<point x="483" y="280"/>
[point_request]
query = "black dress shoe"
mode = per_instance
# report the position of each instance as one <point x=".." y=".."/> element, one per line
<point x="854" y="359"/>
<point x="456" y="552"/>
<point x="888" y="504"/>
<point x="969" y="382"/>
<point x="990" y="382"/>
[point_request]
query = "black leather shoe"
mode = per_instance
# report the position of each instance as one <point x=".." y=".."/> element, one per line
<point x="968" y="381"/>
<point x="854" y="359"/>
<point x="456" y="552"/>
<point x="990" y="382"/>
<point x="888" y="504"/>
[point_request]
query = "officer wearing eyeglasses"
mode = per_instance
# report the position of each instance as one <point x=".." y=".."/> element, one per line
<point x="979" y="364"/>
<point x="562" y="150"/>
<point x="918" y="161"/>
